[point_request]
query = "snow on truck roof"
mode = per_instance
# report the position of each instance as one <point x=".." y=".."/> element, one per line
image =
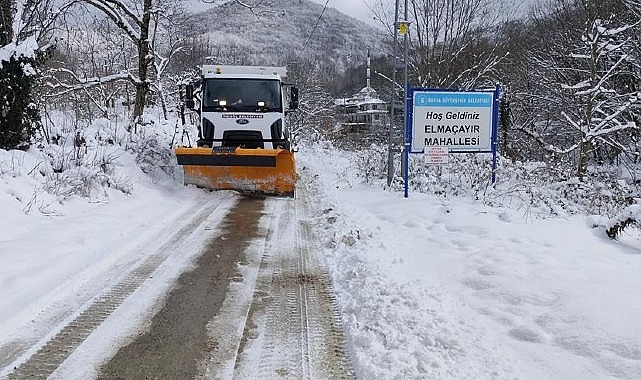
<point x="212" y="71"/>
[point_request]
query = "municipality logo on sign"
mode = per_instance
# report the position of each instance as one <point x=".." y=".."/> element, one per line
<point x="453" y="99"/>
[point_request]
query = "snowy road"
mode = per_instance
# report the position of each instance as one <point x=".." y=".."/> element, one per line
<point x="254" y="302"/>
<point x="292" y="329"/>
<point x="48" y="331"/>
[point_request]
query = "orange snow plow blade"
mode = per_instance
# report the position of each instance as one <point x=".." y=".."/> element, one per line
<point x="262" y="171"/>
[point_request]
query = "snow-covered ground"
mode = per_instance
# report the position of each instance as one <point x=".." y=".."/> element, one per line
<point x="429" y="287"/>
<point x="440" y="288"/>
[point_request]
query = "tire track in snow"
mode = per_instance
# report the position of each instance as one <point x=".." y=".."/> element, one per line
<point x="42" y="359"/>
<point x="293" y="328"/>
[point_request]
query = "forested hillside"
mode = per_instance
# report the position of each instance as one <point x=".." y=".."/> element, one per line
<point x="285" y="32"/>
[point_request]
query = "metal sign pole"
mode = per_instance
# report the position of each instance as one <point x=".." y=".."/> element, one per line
<point x="407" y="137"/>
<point x="406" y="150"/>
<point x="495" y="134"/>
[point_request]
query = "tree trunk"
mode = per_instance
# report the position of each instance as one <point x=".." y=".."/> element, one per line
<point x="585" y="150"/>
<point x="6" y="21"/>
<point x="144" y="61"/>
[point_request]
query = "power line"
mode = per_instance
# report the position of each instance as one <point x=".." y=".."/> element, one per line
<point x="313" y="29"/>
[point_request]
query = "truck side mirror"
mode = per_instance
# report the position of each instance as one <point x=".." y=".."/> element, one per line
<point x="189" y="97"/>
<point x="293" y="98"/>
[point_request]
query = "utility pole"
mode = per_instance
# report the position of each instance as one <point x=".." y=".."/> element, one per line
<point x="400" y="28"/>
<point x="390" y="147"/>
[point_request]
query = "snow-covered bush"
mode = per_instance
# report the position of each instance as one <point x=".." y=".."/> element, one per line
<point x="536" y="188"/>
<point x="372" y="166"/>
<point x="11" y="164"/>
<point x="80" y="170"/>
<point x="153" y="156"/>
<point x="87" y="159"/>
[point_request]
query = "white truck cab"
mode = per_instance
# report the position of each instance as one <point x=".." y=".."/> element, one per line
<point x="243" y="106"/>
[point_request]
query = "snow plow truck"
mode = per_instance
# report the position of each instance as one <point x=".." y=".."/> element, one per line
<point x="243" y="137"/>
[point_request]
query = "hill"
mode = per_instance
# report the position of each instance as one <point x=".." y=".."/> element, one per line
<point x="286" y="31"/>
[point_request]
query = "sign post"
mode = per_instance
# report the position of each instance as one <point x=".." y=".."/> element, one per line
<point x="461" y="121"/>
<point x="495" y="130"/>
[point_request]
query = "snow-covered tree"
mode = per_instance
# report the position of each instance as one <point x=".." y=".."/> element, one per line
<point x="133" y="18"/>
<point x="112" y="46"/>
<point x="314" y="118"/>
<point x="452" y="42"/>
<point x="587" y="81"/>
<point x="101" y="55"/>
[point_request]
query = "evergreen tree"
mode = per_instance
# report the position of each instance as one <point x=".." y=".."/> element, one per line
<point x="19" y="116"/>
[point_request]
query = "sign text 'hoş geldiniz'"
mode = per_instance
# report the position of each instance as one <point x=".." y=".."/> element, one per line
<point x="461" y="121"/>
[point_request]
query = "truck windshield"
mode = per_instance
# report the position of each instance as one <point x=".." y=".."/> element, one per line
<point x="242" y="95"/>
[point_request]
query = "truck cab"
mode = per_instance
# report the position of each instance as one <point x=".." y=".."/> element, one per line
<point x="243" y="106"/>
